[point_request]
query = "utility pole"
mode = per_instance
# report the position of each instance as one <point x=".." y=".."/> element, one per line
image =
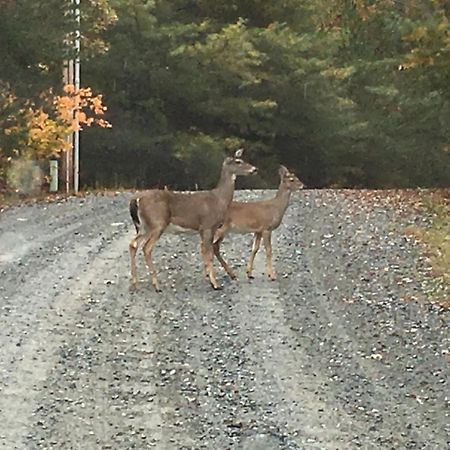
<point x="70" y="160"/>
<point x="76" y="137"/>
<point x="67" y="155"/>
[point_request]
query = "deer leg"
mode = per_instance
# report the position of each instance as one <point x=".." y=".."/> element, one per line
<point x="267" y="236"/>
<point x="255" y="248"/>
<point x="208" y="256"/>
<point x="133" y="248"/>
<point x="219" y="234"/>
<point x="148" y="246"/>
<point x="205" y="266"/>
<point x="223" y="263"/>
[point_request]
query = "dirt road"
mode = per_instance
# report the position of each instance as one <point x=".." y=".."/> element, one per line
<point x="341" y="352"/>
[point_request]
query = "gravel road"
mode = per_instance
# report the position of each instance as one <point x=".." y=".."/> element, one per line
<point x="341" y="352"/>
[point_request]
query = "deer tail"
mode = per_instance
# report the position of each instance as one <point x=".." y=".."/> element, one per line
<point x="134" y="212"/>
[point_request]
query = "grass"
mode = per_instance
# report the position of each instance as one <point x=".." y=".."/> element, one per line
<point x="436" y="238"/>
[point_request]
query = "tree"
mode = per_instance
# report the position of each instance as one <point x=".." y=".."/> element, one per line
<point x="344" y="92"/>
<point x="36" y="39"/>
<point x="184" y="76"/>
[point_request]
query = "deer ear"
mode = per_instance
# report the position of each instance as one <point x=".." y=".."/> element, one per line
<point x="238" y="153"/>
<point x="283" y="171"/>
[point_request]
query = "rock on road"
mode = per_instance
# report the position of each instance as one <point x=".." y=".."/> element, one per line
<point x="341" y="352"/>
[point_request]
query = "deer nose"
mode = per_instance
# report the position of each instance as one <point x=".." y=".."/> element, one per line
<point x="253" y="170"/>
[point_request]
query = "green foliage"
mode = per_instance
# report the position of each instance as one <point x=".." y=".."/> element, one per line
<point x="32" y="44"/>
<point x="203" y="77"/>
<point x="36" y="38"/>
<point x="399" y="87"/>
<point x="346" y="93"/>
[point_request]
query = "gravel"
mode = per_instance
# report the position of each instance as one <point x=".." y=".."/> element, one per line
<point x="343" y="351"/>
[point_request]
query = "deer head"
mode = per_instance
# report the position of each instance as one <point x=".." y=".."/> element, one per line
<point x="237" y="166"/>
<point x="290" y="180"/>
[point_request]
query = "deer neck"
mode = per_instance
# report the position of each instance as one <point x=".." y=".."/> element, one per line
<point x="282" y="197"/>
<point x="225" y="188"/>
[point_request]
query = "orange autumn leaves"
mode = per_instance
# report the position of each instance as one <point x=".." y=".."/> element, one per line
<point x="82" y="108"/>
<point x="42" y="132"/>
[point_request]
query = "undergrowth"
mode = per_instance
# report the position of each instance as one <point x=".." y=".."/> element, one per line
<point x="436" y="238"/>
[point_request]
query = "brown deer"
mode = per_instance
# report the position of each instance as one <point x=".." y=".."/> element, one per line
<point x="156" y="211"/>
<point x="260" y="218"/>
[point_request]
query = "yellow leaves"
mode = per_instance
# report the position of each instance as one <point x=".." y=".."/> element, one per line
<point x="69" y="89"/>
<point x="365" y="11"/>
<point x="431" y="40"/>
<point x="344" y="102"/>
<point x="43" y="136"/>
<point x="103" y="123"/>
<point x="97" y="106"/>
<point x="443" y="25"/>
<point x="6" y="99"/>
<point x="417" y="34"/>
<point x="339" y="73"/>
<point x="85" y="94"/>
<point x="78" y="109"/>
<point x="80" y="117"/>
<point x="40" y="132"/>
<point x="264" y="104"/>
<point x="415" y="60"/>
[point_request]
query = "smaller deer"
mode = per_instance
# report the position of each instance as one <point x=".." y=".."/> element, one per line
<point x="157" y="211"/>
<point x="260" y="218"/>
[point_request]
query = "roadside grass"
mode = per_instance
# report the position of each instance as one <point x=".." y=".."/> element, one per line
<point x="436" y="238"/>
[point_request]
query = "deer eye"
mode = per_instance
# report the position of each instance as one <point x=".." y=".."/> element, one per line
<point x="238" y="161"/>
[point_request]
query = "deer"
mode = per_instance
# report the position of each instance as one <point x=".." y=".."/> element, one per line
<point x="260" y="218"/>
<point x="155" y="212"/>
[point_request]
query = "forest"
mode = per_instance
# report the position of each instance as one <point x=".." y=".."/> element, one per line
<point x="346" y="93"/>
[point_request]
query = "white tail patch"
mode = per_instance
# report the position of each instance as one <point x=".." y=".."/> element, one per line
<point x="176" y="229"/>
